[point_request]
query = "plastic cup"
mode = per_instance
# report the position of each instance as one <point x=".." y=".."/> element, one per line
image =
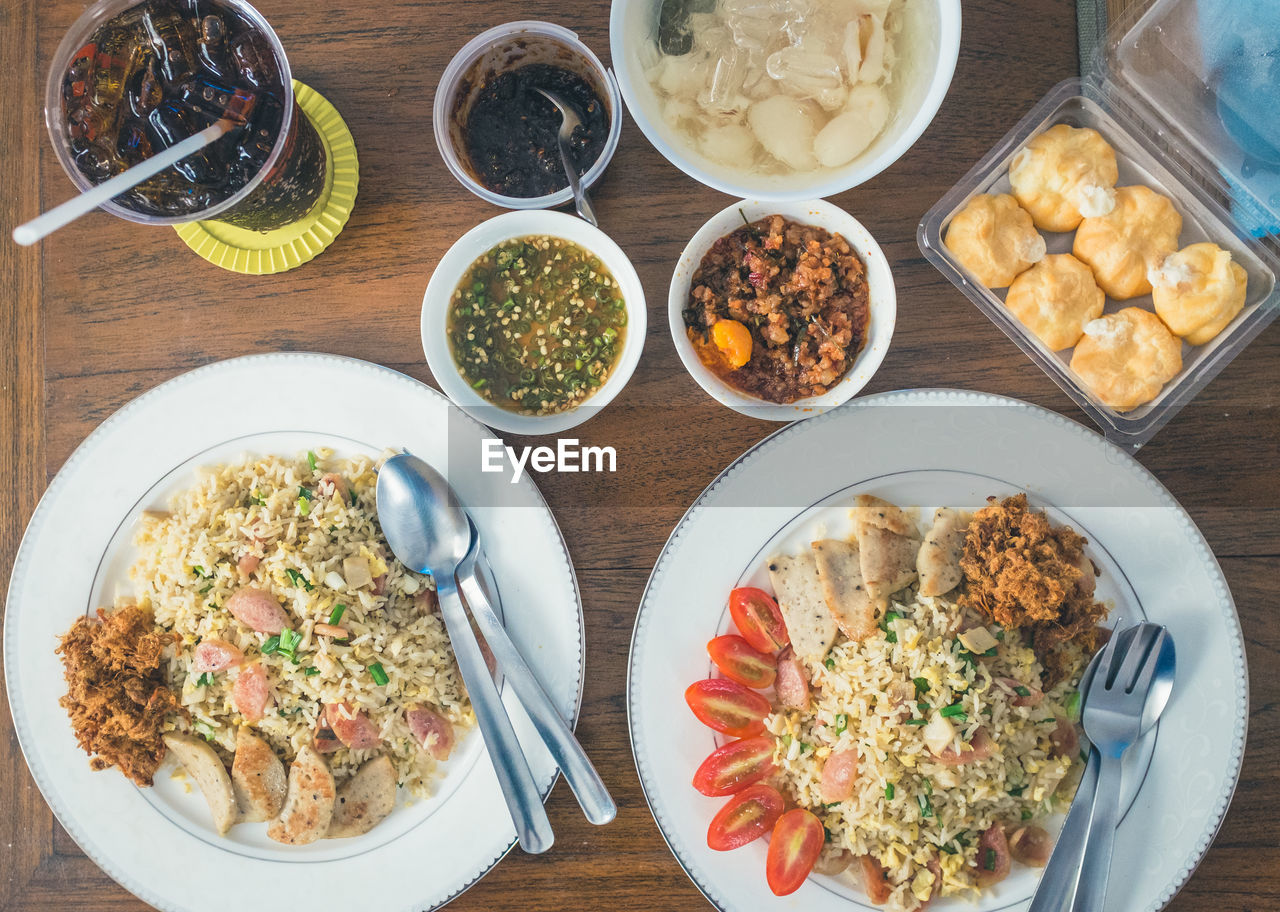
<point x="507" y="47"/>
<point x="284" y="189"/>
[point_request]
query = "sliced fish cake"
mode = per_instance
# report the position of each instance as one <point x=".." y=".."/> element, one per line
<point x="364" y="800"/>
<point x="258" y="778"/>
<point x="809" y="622"/>
<point x="308" y="803"/>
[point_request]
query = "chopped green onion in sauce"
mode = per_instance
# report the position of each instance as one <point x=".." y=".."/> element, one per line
<point x="537" y="325"/>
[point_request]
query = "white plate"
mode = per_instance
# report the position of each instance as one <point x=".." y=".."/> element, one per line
<point x="927" y="448"/>
<point x="159" y="843"/>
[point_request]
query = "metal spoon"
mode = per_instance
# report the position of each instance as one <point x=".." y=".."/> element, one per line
<point x="570" y="122"/>
<point x="582" y="777"/>
<point x="1129" y="692"/>
<point x="428" y="531"/>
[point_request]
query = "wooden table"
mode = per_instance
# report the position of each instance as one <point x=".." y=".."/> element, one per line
<point x="106" y="310"/>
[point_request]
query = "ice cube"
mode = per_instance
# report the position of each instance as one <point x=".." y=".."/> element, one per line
<point x="723" y="92"/>
<point x="785" y="126"/>
<point x="133" y="144"/>
<point x="145" y="92"/>
<point x="255" y="63"/>
<point x="212" y="47"/>
<point x="214" y="101"/>
<point x="757" y="24"/>
<point x="804" y="73"/>
<point x="173" y="39"/>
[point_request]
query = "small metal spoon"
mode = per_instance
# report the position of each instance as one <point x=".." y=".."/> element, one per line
<point x="593" y="797"/>
<point x="429" y="533"/>
<point x="570" y="122"/>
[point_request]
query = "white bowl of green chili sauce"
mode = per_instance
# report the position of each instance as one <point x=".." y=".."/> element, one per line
<point x="533" y="321"/>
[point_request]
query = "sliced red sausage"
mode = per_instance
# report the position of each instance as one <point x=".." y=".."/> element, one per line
<point x="792" y="684"/>
<point x="1032" y="697"/>
<point x="1066" y="741"/>
<point x="993" y="856"/>
<point x="838" y="776"/>
<point x="352" y="728"/>
<point x="257" y="610"/>
<point x="980" y="748"/>
<point x="335" y="485"/>
<point x="874" y="879"/>
<point x="323" y="738"/>
<point x="1030" y="845"/>
<point x="216" y="654"/>
<point x="251" y="693"/>
<point x="248" y="564"/>
<point x="431" y="730"/>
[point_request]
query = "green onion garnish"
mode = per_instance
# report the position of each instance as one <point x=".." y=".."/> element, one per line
<point x="205" y="729"/>
<point x="1017" y="790"/>
<point x="298" y="579"/>
<point x="311" y="671"/>
<point x="206" y="589"/>
<point x="311" y="460"/>
<point x="990" y="652"/>
<point x="270" y="645"/>
<point x="288" y="645"/>
<point x="922" y="706"/>
<point x="917" y="722"/>
<point x="379" y="676"/>
<point x="888" y="792"/>
<point x="1073" y="707"/>
<point x="199" y="571"/>
<point x="304" y="494"/>
<point x="949" y="849"/>
<point x="304" y="506"/>
<point x="353" y="497"/>
<point x="842" y="723"/>
<point x="989" y="860"/>
<point x="205" y="679"/>
<point x="953" y="711"/>
<point x="891" y="637"/>
<point x="926" y="809"/>
<point x="1026" y="815"/>
<point x="999" y="632"/>
<point x="830" y="663"/>
<point x="1022" y="691"/>
<point x="928" y="787"/>
<point x="922" y="685"/>
<point x="889" y="618"/>
<point x="336" y="615"/>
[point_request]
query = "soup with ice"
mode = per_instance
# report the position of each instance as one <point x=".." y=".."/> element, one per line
<point x="778" y="86"/>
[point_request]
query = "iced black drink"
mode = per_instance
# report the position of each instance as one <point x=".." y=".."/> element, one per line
<point x="134" y="79"/>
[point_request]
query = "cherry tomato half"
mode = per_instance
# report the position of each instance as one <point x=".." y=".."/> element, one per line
<point x="735" y="766"/>
<point x="737" y="661"/>
<point x="794" y="847"/>
<point x="746" y="816"/>
<point x="758" y="617"/>
<point x="728" y="707"/>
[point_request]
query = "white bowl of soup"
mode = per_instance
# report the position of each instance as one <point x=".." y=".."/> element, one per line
<point x="780" y="110"/>
<point x="533" y="321"/>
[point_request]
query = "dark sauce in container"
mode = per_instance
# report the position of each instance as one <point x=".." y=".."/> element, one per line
<point x="162" y="71"/>
<point x="510" y="131"/>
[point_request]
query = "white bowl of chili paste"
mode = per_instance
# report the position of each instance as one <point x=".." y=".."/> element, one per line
<point x="533" y="322"/>
<point x="497" y="135"/>
<point x="782" y="310"/>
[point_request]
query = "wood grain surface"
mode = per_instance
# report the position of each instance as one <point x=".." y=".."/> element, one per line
<point x="105" y="310"/>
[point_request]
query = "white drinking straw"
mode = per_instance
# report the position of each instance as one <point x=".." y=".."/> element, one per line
<point x="72" y="209"/>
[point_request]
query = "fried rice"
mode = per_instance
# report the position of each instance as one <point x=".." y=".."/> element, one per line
<point x="308" y="543"/>
<point x="908" y="810"/>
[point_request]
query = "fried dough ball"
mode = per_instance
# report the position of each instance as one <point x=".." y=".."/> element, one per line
<point x="994" y="238"/>
<point x="1127" y="357"/>
<point x="1123" y="245"/>
<point x="1055" y="298"/>
<point x="1063" y="175"/>
<point x="1198" y="291"/>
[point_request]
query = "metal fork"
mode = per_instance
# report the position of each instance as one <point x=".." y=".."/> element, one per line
<point x="1113" y="716"/>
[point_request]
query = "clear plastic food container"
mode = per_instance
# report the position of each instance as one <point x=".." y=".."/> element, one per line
<point x="1186" y="92"/>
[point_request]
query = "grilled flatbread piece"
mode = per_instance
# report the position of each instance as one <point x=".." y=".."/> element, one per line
<point x="809" y="622"/>
<point x="938" y="561"/>
<point x="888" y="543"/>
<point x="840" y="573"/>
